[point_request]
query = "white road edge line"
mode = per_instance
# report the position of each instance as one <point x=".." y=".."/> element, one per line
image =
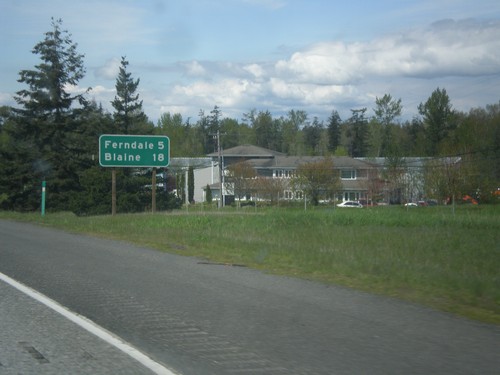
<point x="91" y="327"/>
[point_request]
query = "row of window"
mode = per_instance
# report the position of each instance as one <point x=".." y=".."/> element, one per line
<point x="283" y="173"/>
<point x="345" y="174"/>
<point x="345" y="196"/>
<point x="293" y="195"/>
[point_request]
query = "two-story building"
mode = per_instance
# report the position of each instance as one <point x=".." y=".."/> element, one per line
<point x="356" y="175"/>
<point x="377" y="179"/>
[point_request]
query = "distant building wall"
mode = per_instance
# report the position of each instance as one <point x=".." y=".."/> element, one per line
<point x="202" y="178"/>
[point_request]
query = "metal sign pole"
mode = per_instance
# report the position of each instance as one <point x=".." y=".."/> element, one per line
<point x="153" y="191"/>
<point x="113" y="192"/>
<point x="44" y="184"/>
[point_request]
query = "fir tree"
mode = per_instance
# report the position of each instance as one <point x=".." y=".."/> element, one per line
<point x="334" y="123"/>
<point x="191" y="184"/>
<point x="46" y="140"/>
<point x="129" y="116"/>
<point x="357" y="133"/>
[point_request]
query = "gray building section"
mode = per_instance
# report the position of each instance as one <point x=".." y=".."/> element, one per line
<point x="205" y="172"/>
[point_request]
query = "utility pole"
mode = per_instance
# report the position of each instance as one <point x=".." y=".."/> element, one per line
<point x="216" y="136"/>
<point x="219" y="151"/>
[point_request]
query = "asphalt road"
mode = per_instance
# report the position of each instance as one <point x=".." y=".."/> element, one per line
<point x="34" y="339"/>
<point x="199" y="318"/>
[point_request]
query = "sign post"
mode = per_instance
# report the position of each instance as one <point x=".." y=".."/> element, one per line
<point x="153" y="191"/>
<point x="44" y="184"/>
<point x="113" y="192"/>
<point x="135" y="151"/>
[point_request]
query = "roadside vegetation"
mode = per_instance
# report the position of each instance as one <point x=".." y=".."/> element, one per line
<point x="443" y="258"/>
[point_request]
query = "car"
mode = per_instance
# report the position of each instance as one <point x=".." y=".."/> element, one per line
<point x="350" y="204"/>
<point x="411" y="204"/>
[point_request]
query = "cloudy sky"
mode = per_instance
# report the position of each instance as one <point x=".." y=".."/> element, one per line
<point x="276" y="55"/>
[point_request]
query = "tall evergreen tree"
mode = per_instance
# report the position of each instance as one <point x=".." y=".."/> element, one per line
<point x="214" y="126"/>
<point x="357" y="133"/>
<point x="191" y="184"/>
<point x="268" y="132"/>
<point x="208" y="197"/>
<point x="312" y="136"/>
<point x="207" y="128"/>
<point x="61" y="67"/>
<point x="334" y="123"/>
<point x="46" y="135"/>
<point x="129" y="116"/>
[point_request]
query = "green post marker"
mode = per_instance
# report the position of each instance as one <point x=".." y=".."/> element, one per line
<point x="43" y="197"/>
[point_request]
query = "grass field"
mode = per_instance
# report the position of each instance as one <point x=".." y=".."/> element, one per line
<point x="449" y="260"/>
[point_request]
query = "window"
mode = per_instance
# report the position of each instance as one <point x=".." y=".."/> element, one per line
<point x="348" y="174"/>
<point x="282" y="173"/>
<point x="290" y="195"/>
<point x="352" y="195"/>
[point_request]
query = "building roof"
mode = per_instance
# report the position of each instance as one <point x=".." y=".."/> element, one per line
<point x="293" y="162"/>
<point x="263" y="158"/>
<point x="411" y="162"/>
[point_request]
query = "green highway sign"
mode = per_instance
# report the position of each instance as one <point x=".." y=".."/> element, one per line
<point x="134" y="150"/>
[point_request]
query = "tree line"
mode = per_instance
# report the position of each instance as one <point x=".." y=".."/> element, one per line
<point x="52" y="134"/>
<point x="438" y="131"/>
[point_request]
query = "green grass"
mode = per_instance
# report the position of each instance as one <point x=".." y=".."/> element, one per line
<point x="434" y="256"/>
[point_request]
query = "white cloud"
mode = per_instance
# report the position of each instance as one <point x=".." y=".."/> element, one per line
<point x="194" y="68"/>
<point x="101" y="90"/>
<point x="256" y="70"/>
<point x="109" y="70"/>
<point x="98" y="93"/>
<point x="323" y="63"/>
<point x="446" y="48"/>
<point x="310" y="94"/>
<point x="74" y="89"/>
<point x="224" y="93"/>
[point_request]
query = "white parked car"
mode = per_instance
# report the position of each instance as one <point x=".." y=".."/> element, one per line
<point x="351" y="204"/>
<point x="411" y="204"/>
